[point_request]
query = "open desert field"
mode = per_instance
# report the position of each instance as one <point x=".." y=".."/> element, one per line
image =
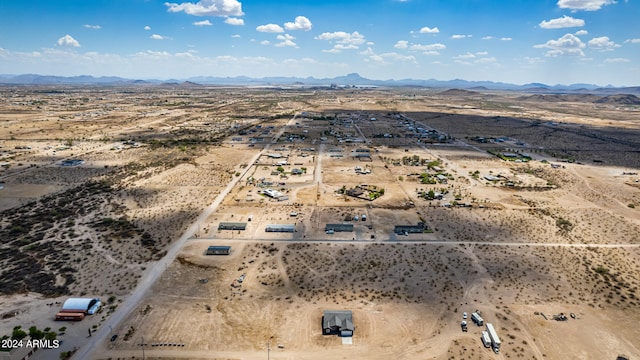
<point x="407" y="206"/>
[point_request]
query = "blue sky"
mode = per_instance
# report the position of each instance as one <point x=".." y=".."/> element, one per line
<point x="517" y="41"/>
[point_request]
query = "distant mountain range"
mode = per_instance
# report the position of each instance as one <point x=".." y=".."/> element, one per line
<point x="350" y="80"/>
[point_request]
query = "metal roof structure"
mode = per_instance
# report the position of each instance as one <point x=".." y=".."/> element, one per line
<point x="83" y="305"/>
<point x="280" y="228"/>
<point x="232" y="226"/>
<point x="218" y="250"/>
<point x="339" y="227"/>
<point x="338" y="322"/>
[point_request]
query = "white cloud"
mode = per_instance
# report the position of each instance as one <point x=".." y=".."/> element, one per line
<point x="153" y="54"/>
<point x="401" y="44"/>
<point x="431" y="53"/>
<point x="533" y="60"/>
<point x="208" y="8"/>
<point x="265" y="42"/>
<point x="382" y="58"/>
<point x="568" y="45"/>
<point x="428" y="30"/>
<point x="270" y="28"/>
<point x="343" y="40"/>
<point x="203" y="23"/>
<point x="489" y="37"/>
<point x="429" y="47"/>
<point x="581" y="32"/>
<point x="234" y="21"/>
<point x="457" y="36"/>
<point x="602" y="44"/>
<point x="563" y="22"/>
<point x="616" y="60"/>
<point x="300" y="23"/>
<point x="485" y="60"/>
<point x="587" y="5"/>
<point x="465" y="56"/>
<point x="506" y="39"/>
<point x="286" y="40"/>
<point x="482" y="53"/>
<point x="158" y="37"/>
<point x="147" y="27"/>
<point x="68" y="41"/>
<point x="343" y="37"/>
<point x="236" y="36"/>
<point x="633" y="41"/>
<point x="95" y="27"/>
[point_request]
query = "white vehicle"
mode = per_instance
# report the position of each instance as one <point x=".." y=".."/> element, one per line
<point x="330" y="231"/>
<point x="477" y="319"/>
<point x="464" y="315"/>
<point x="486" y="340"/>
<point x="495" y="340"/>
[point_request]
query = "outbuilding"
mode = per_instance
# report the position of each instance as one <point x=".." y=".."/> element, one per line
<point x="81" y="305"/>
<point x="218" y="250"/>
<point x="74" y="309"/>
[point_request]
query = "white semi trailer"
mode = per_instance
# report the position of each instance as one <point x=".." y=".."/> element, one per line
<point x="495" y="340"/>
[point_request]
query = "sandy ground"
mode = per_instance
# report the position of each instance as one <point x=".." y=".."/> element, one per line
<point x="407" y="295"/>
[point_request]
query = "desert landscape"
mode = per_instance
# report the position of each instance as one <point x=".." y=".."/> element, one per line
<point x="408" y="206"/>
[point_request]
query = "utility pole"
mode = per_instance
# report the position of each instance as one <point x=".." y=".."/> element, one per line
<point x="142" y="344"/>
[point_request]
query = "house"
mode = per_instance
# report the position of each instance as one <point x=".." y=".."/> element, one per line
<point x="296" y="172"/>
<point x="218" y="250"/>
<point x="232" y="226"/>
<point x="280" y="228"/>
<point x="337" y="322"/>
<point x="338" y="227"/>
<point x="410" y="229"/>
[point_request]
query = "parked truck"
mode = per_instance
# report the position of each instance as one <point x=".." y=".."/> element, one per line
<point x="475" y="317"/>
<point x="486" y="340"/>
<point x="495" y="340"/>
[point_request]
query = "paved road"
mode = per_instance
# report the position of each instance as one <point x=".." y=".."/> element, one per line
<point x="154" y="273"/>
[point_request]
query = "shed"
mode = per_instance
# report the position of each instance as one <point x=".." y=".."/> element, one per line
<point x="232" y="226"/>
<point x="337" y="322"/>
<point x="280" y="228"/>
<point x="339" y="227"/>
<point x="218" y="250"/>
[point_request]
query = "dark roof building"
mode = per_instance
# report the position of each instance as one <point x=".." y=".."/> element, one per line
<point x="337" y="322"/>
<point x="218" y="250"/>
<point x="280" y="228"/>
<point x="339" y="227"/>
<point x="410" y="229"/>
<point x="232" y="226"/>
